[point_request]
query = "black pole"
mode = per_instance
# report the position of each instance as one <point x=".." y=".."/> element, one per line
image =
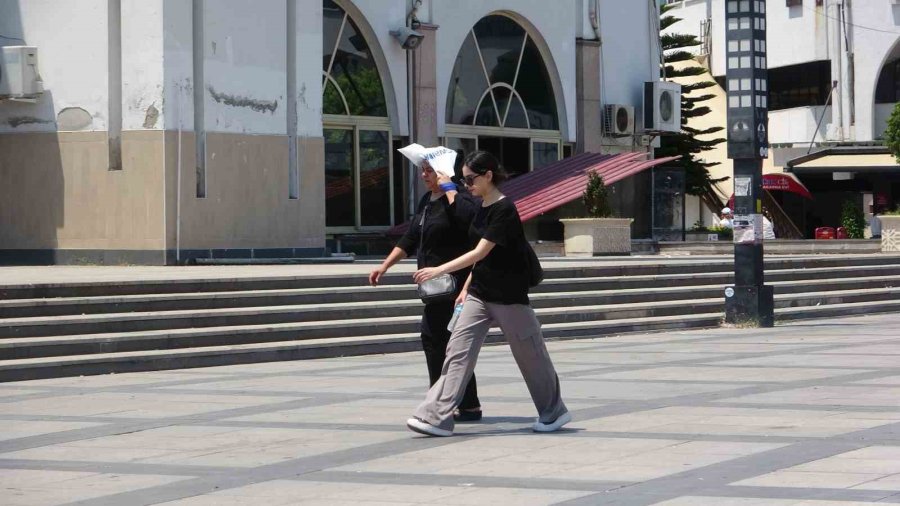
<point x="683" y="204"/>
<point x="749" y="301"/>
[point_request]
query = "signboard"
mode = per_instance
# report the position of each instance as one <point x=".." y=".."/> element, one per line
<point x="742" y="186"/>
<point x="748" y="228"/>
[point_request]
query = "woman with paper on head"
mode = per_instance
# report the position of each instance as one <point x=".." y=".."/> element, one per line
<point x="437" y="234"/>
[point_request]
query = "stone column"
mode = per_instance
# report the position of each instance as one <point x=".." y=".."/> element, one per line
<point x="424" y="107"/>
<point x="424" y="100"/>
<point x="587" y="74"/>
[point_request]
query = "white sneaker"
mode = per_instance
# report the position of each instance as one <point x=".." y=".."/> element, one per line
<point x="554" y="425"/>
<point x="423" y="427"/>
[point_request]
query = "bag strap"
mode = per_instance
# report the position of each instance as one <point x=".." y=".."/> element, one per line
<point x="422" y="227"/>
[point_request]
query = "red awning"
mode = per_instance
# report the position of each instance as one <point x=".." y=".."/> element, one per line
<point x="562" y="182"/>
<point x="780" y="182"/>
<point x="785" y="182"/>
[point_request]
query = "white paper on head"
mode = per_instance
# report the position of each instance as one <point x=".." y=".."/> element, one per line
<point x="441" y="159"/>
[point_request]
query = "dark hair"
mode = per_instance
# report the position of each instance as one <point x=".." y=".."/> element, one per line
<point x="480" y="162"/>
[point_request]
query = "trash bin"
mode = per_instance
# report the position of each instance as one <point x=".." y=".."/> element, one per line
<point x="825" y="233"/>
<point x="841" y="233"/>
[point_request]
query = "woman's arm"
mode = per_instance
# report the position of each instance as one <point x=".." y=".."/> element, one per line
<point x="395" y="256"/>
<point x="443" y="179"/>
<point x="479" y="253"/>
<point x="465" y="291"/>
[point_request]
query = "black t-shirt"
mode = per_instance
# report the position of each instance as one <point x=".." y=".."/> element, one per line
<point x="446" y="228"/>
<point x="502" y="276"/>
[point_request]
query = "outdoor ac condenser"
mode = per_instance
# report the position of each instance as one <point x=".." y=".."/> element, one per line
<point x="662" y="107"/>
<point x="19" y="76"/>
<point x="618" y="120"/>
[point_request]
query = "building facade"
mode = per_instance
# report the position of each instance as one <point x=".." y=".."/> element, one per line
<point x="178" y="129"/>
<point x="834" y="79"/>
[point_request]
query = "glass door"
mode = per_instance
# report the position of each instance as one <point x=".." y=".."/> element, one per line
<point x="375" y="179"/>
<point x="340" y="183"/>
<point x="543" y="152"/>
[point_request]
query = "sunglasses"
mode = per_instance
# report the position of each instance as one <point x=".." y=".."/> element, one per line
<point x="470" y="180"/>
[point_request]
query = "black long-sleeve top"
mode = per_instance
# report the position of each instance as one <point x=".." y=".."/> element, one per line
<point x="446" y="228"/>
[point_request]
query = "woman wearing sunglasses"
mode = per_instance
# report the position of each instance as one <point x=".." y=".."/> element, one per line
<point x="441" y="226"/>
<point x="495" y="293"/>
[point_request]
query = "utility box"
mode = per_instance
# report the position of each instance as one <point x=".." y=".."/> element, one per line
<point x="662" y="107"/>
<point x="19" y="76"/>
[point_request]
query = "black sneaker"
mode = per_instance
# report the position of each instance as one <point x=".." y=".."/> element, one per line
<point x="464" y="415"/>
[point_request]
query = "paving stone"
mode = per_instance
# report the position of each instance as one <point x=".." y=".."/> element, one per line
<point x="791" y="415"/>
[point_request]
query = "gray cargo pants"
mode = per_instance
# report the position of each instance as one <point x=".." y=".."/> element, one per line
<point x="523" y="333"/>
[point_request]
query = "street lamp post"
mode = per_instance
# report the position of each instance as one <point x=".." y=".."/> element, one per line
<point x="749" y="301"/>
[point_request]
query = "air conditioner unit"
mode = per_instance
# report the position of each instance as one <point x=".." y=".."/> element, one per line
<point x="662" y="107"/>
<point x="618" y="120"/>
<point x="19" y="76"/>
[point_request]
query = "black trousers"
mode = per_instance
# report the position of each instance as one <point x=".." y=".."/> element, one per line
<point x="435" y="337"/>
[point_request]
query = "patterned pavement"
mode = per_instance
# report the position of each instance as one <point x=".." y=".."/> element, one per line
<point x="802" y="414"/>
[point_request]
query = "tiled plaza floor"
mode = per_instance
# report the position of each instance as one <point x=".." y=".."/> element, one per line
<point x="802" y="414"/>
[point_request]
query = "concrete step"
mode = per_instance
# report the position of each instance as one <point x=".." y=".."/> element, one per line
<point x="836" y="297"/>
<point x="244" y="333"/>
<point x="860" y="283"/>
<point x="195" y="323"/>
<point x="575" y="307"/>
<point x="120" y="362"/>
<point x="25" y="308"/>
<point x="835" y="310"/>
<point x="193" y="318"/>
<point x="555" y="269"/>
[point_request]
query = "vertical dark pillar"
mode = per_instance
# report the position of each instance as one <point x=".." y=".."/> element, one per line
<point x="749" y="301"/>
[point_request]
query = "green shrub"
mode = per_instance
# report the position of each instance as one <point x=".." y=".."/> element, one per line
<point x="596" y="197"/>
<point x="852" y="220"/>
<point x="892" y="133"/>
<point x="724" y="232"/>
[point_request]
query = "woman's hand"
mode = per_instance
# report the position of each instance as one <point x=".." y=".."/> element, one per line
<point x="375" y="276"/>
<point x="442" y="178"/>
<point x="425" y="274"/>
<point x="461" y="298"/>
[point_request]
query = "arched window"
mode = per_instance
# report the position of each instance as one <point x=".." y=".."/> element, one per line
<point x="359" y="183"/>
<point x="501" y="97"/>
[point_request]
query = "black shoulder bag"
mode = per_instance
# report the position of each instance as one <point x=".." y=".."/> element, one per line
<point x="438" y="289"/>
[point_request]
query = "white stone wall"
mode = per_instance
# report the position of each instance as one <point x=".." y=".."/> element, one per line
<point x="245" y="66"/>
<point x="873" y="46"/>
<point x="246" y="70"/>
<point x="630" y="52"/>
<point x="72" y="53"/>
<point x="800" y="34"/>
<point x="142" y="65"/>
<point x="797" y="125"/>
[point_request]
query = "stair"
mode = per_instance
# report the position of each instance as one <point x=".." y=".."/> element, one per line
<point x="95" y="328"/>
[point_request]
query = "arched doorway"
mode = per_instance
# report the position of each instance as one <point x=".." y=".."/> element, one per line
<point x="360" y="187"/>
<point x="887" y="90"/>
<point x="501" y="98"/>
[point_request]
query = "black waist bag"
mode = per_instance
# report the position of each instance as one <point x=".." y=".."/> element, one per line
<point x="535" y="271"/>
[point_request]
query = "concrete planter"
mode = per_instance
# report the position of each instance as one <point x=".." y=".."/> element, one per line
<point x="890" y="233"/>
<point x="700" y="236"/>
<point x="597" y="236"/>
